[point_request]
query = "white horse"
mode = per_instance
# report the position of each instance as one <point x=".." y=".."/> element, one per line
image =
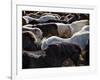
<point x="48" y="17"/>
<point x="37" y="32"/>
<point x="78" y="25"/>
<point x="78" y="39"/>
<point x="84" y="29"/>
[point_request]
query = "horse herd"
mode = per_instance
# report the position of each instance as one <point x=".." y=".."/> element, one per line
<point x="54" y="40"/>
